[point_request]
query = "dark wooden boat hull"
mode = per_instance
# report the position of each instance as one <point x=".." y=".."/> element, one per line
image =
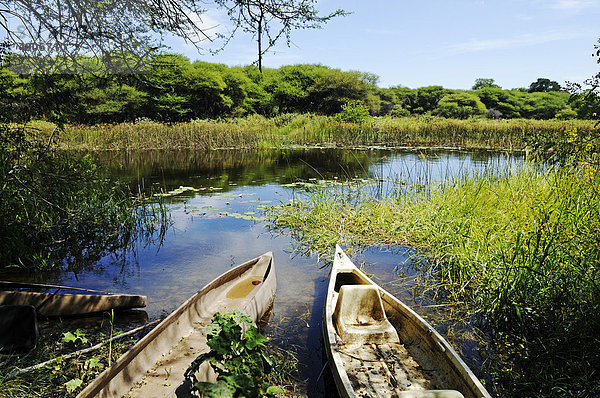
<point x="18" y="329"/>
<point x="66" y="304"/>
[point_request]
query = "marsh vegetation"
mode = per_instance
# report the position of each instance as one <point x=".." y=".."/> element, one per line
<point x="514" y="249"/>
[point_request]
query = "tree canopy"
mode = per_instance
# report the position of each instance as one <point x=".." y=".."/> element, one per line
<point x="543" y="85"/>
<point x="484" y="83"/>
<point x="176" y="89"/>
<point x="82" y="36"/>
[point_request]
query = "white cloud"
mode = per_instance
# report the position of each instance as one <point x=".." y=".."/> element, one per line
<point x="478" y="45"/>
<point x="212" y="22"/>
<point x="572" y="5"/>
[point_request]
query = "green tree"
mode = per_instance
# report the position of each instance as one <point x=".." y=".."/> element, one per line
<point x="388" y="101"/>
<point x="460" y="105"/>
<point x="406" y="98"/>
<point x="353" y="113"/>
<point x="289" y="87"/>
<point x="507" y="102"/>
<point x="566" y="114"/>
<point x="110" y="103"/>
<point x="333" y="88"/>
<point x="427" y="98"/>
<point x="543" y="85"/>
<point x="182" y="91"/>
<point x="544" y="105"/>
<point x="15" y="101"/>
<point x="484" y="83"/>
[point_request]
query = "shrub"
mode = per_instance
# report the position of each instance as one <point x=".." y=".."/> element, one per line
<point x="353" y="112"/>
<point x="460" y="105"/>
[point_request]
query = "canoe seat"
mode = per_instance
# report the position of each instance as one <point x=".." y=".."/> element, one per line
<point x="430" y="394"/>
<point x="359" y="316"/>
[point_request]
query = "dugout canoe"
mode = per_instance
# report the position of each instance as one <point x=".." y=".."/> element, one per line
<point x="377" y="346"/>
<point x="155" y="366"/>
<point x="18" y="329"/>
<point x="52" y="302"/>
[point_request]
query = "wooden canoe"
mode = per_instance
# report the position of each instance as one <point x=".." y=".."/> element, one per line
<point x="378" y="347"/>
<point x="52" y="303"/>
<point x="155" y="366"/>
<point x="18" y="329"/>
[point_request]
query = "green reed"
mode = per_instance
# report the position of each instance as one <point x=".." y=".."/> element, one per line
<point x="520" y="247"/>
<point x="308" y="129"/>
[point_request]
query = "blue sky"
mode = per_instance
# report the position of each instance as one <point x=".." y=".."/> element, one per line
<point x="437" y="42"/>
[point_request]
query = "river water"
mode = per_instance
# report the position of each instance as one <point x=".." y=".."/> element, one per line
<point x="221" y="224"/>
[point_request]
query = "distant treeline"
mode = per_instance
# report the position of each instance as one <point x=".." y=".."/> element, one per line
<point x="176" y="90"/>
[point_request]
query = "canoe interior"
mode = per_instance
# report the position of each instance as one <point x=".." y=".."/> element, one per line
<point x="155" y="366"/>
<point x="421" y="364"/>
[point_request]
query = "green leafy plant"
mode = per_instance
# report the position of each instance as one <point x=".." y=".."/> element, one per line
<point x="353" y="112"/>
<point x="73" y="385"/>
<point x="237" y="357"/>
<point x="74" y="339"/>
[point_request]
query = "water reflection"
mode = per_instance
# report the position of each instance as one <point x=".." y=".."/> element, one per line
<point x="228" y="168"/>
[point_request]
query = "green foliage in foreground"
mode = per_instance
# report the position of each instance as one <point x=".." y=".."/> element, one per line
<point x="58" y="208"/>
<point x="237" y="354"/>
<point x="64" y="377"/>
<point x="521" y="247"/>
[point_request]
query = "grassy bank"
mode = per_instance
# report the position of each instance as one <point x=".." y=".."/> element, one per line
<point x="292" y="129"/>
<point x="68" y="373"/>
<point x="520" y="248"/>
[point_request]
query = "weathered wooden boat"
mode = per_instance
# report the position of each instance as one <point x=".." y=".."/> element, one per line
<point x="18" y="329"/>
<point x="51" y="302"/>
<point x="378" y="347"/>
<point x="155" y="366"/>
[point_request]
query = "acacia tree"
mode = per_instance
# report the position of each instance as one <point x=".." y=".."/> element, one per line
<point x="543" y="85"/>
<point x="51" y="36"/>
<point x="270" y="20"/>
<point x="484" y="83"/>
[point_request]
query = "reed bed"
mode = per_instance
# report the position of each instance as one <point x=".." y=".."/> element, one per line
<point x="308" y="129"/>
<point x="520" y="247"/>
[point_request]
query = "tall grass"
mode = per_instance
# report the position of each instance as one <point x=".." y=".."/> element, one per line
<point x="258" y="132"/>
<point x="520" y="247"/>
<point x="60" y="210"/>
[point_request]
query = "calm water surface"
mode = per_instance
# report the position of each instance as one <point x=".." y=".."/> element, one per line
<point x="222" y="225"/>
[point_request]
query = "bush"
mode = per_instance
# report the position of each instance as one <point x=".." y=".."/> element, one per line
<point x="566" y="114"/>
<point x="460" y="105"/>
<point x="353" y="112"/>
